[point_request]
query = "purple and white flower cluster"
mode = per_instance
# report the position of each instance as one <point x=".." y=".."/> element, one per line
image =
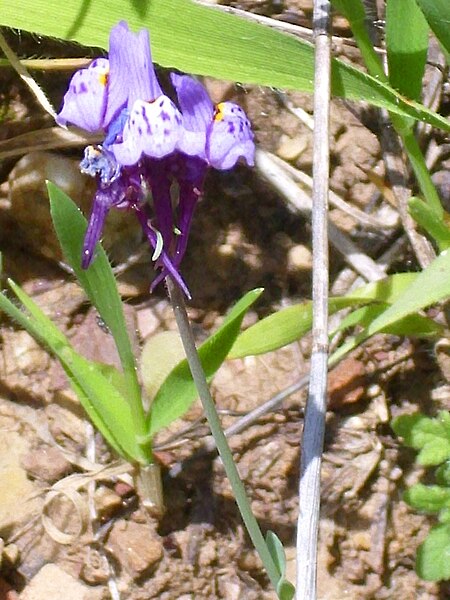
<point x="150" y="143"/>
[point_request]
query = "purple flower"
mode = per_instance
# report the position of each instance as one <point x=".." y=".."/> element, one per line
<point x="149" y="144"/>
<point x="218" y="134"/>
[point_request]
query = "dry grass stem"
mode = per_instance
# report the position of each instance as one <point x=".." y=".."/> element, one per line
<point x="44" y="139"/>
<point x="314" y="427"/>
<point x="336" y="201"/>
<point x="26" y="77"/>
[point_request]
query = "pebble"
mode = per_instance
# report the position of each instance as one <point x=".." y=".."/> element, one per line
<point x="291" y="148"/>
<point x="18" y="494"/>
<point x="136" y="546"/>
<point x="46" y="463"/>
<point x="107" y="501"/>
<point x="52" y="583"/>
<point x="122" y="233"/>
<point x="10" y="555"/>
<point x="95" y="569"/>
<point x="299" y="258"/>
<point x="6" y="591"/>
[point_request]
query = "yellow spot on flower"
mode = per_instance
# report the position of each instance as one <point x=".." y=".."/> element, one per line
<point x="103" y="78"/>
<point x="218" y="115"/>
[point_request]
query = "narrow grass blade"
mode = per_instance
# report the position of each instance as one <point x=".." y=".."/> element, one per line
<point x="201" y="40"/>
<point x="431" y="222"/>
<point x="290" y="324"/>
<point x="437" y="13"/>
<point x="106" y="407"/>
<point x="406" y="45"/>
<point x="178" y="391"/>
<point x="430" y="286"/>
<point x="353" y="10"/>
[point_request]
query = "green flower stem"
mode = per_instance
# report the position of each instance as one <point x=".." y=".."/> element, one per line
<point x="216" y="429"/>
<point x="138" y="414"/>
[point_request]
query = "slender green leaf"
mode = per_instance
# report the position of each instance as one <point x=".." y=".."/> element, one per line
<point x="428" y="498"/>
<point x="285" y="589"/>
<point x="434" y="224"/>
<point x="413" y="325"/>
<point x="98" y="281"/>
<point x="406" y="45"/>
<point x="202" y="40"/>
<point x="106" y="407"/>
<point x="178" y="391"/>
<point x="430" y="286"/>
<point x="433" y="563"/>
<point x="290" y="324"/>
<point x="277" y="552"/>
<point x="437" y="13"/>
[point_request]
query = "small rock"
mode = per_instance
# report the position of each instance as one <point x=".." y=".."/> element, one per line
<point x="291" y="148"/>
<point x="10" y="555"/>
<point x="299" y="258"/>
<point x="346" y="382"/>
<point x="107" y="501"/>
<point x="207" y="554"/>
<point x="52" y="583"/>
<point x="6" y="591"/>
<point x="95" y="569"/>
<point x="46" y="463"/>
<point x="34" y="227"/>
<point x="361" y="540"/>
<point x="136" y="546"/>
<point x="230" y="588"/>
<point x="248" y="561"/>
<point x="17" y="493"/>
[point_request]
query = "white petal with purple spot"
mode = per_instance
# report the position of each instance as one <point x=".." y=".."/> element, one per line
<point x="84" y="104"/>
<point x="230" y="137"/>
<point x="152" y="128"/>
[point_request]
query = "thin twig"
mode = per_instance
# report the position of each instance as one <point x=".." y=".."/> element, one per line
<point x="338" y="202"/>
<point x="301" y="202"/>
<point x="23" y="73"/>
<point x="50" y="64"/>
<point x="44" y="139"/>
<point x="314" y="428"/>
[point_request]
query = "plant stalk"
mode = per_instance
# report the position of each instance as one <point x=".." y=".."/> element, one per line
<point x="314" y="426"/>
<point x="209" y="408"/>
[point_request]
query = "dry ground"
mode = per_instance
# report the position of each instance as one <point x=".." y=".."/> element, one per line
<point x="245" y="235"/>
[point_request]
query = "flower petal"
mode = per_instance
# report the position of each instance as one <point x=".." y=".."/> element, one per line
<point x="162" y="201"/>
<point x="190" y="176"/>
<point x="94" y="230"/>
<point x="196" y="106"/>
<point x="230" y="137"/>
<point x="132" y="75"/>
<point x="84" y="104"/>
<point x="153" y="129"/>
